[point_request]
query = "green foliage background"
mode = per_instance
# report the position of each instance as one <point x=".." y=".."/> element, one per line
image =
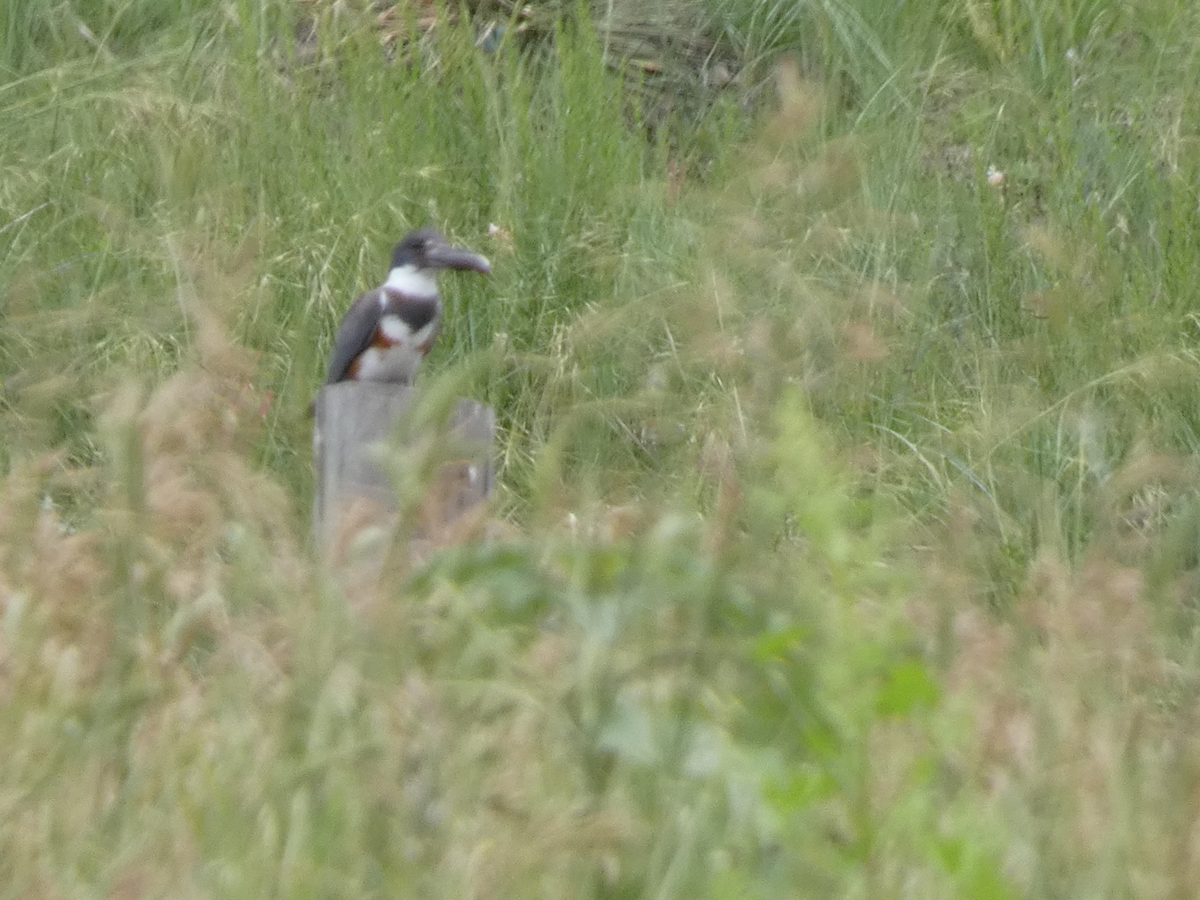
<point x="847" y="537"/>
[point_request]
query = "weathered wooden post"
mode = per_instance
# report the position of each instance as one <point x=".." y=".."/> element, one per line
<point x="354" y="419"/>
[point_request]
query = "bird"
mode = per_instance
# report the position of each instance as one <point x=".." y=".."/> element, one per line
<point x="388" y="332"/>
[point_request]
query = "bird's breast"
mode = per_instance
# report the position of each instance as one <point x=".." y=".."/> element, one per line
<point x="409" y="329"/>
<point x="392" y="329"/>
<point x="395" y="352"/>
<point x="384" y="361"/>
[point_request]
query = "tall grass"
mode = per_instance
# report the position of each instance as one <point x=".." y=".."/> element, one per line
<point x="847" y="536"/>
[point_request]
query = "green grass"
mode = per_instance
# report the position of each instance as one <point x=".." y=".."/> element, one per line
<point x="846" y="541"/>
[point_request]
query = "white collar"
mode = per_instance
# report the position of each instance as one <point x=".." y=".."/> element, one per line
<point x="412" y="282"/>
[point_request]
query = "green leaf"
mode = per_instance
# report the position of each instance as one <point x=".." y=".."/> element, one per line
<point x="907" y="687"/>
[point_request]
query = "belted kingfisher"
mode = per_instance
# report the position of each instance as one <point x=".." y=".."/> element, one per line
<point x="387" y="332"/>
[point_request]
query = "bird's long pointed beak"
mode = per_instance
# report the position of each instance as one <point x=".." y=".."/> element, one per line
<point x="444" y="256"/>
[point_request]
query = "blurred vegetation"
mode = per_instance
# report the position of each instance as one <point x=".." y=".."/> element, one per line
<point x="847" y="540"/>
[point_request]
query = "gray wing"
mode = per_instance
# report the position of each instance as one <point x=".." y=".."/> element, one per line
<point x="354" y="335"/>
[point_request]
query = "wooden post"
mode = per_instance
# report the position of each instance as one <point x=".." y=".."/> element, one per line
<point x="354" y="421"/>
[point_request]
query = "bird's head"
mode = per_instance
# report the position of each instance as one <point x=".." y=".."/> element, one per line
<point x="426" y="251"/>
